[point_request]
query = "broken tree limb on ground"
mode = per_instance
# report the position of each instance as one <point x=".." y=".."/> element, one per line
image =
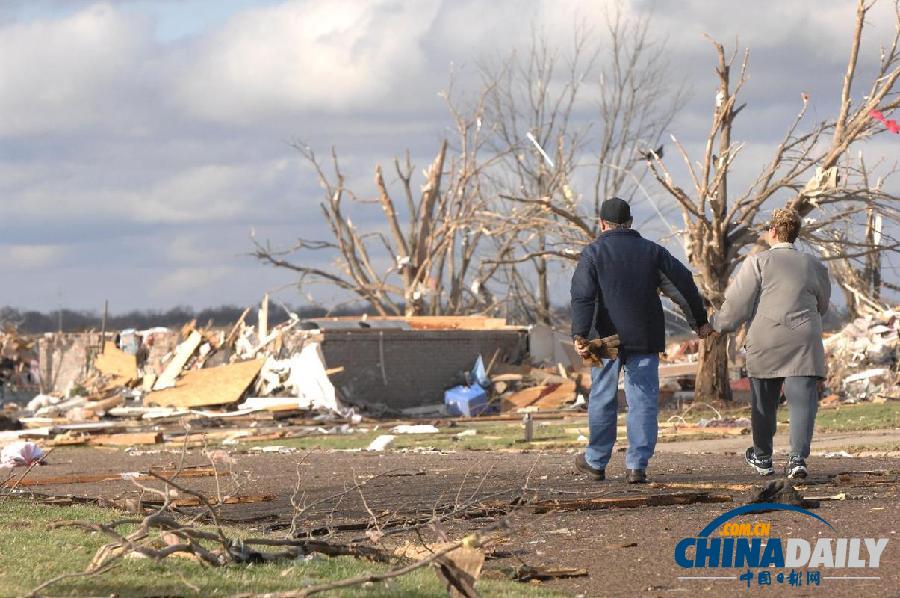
<point x="526" y="573"/>
<point x="591" y="503"/>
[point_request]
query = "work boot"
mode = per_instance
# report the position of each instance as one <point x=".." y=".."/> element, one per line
<point x="582" y="465"/>
<point x="762" y="466"/>
<point x="636" y="476"/>
<point x="795" y="468"/>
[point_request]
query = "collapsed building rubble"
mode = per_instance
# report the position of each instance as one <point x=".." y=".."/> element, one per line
<point x="863" y="358"/>
<point x="261" y="382"/>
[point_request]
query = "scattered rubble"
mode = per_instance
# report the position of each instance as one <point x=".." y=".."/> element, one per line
<point x="265" y="382"/>
<point x="863" y="358"/>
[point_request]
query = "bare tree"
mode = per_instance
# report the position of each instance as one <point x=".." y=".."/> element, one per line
<point x="854" y="242"/>
<point x="427" y="260"/>
<point x="590" y="115"/>
<point x="809" y="170"/>
<point x="495" y="207"/>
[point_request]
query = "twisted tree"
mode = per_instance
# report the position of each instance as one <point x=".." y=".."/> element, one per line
<point x="810" y="170"/>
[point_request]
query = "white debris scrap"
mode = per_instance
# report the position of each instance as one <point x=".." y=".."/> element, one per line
<point x="20" y="454"/>
<point x="381" y="443"/>
<point x="861" y="354"/>
<point x="303" y="377"/>
<point x="414" y="429"/>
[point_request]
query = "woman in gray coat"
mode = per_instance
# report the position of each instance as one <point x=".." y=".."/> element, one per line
<point x="783" y="294"/>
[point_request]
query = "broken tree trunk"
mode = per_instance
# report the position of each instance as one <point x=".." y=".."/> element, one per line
<point x="712" y="377"/>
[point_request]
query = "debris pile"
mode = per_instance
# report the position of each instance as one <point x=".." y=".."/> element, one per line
<point x="19" y="369"/>
<point x="509" y="388"/>
<point x="253" y="382"/>
<point x="863" y="358"/>
<point x="243" y="383"/>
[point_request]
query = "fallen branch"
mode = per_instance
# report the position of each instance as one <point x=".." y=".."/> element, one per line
<point x="628" y="502"/>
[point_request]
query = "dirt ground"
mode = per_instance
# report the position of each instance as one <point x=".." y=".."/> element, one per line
<point x="626" y="551"/>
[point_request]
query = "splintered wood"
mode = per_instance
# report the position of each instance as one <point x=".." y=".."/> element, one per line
<point x="182" y="355"/>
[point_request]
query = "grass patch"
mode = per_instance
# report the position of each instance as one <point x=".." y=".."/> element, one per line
<point x="875" y="447"/>
<point x="860" y="416"/>
<point x="488" y="436"/>
<point x="560" y="435"/>
<point x="31" y="554"/>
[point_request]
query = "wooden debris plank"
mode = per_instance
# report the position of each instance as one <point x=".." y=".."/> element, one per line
<point x="116" y="364"/>
<point x="544" y="397"/>
<point x="91" y="478"/>
<point x="247" y="434"/>
<point x="102" y="406"/>
<point x="213" y="386"/>
<point x="182" y="355"/>
<point x="504" y="369"/>
<point x="125" y="439"/>
<point x="561" y="395"/>
<point x="454" y="322"/>
<point x="524" y="398"/>
<point x="628" y="502"/>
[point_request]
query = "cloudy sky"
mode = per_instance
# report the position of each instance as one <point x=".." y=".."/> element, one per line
<point x="142" y="140"/>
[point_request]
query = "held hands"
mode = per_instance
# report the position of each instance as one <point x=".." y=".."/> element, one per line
<point x="707" y="331"/>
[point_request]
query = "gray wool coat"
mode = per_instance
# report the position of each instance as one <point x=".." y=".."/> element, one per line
<point x="783" y="294"/>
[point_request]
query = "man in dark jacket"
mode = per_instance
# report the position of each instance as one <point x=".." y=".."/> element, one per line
<point x="615" y="290"/>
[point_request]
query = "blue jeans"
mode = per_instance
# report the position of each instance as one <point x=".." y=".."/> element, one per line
<point x="642" y="396"/>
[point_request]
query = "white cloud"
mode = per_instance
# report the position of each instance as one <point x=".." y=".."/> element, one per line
<point x="189" y="281"/>
<point x="307" y="55"/>
<point x="31" y="256"/>
<point x="204" y="193"/>
<point x="126" y="155"/>
<point x="67" y="73"/>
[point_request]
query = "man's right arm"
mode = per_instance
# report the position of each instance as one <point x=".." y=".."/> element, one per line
<point x="585" y="289"/>
<point x="677" y="283"/>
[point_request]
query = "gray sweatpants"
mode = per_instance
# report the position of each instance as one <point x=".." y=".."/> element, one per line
<point x="802" y="394"/>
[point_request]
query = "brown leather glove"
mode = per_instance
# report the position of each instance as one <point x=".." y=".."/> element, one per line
<point x="601" y="348"/>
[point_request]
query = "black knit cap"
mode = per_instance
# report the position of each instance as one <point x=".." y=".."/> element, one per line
<point x="615" y="210"/>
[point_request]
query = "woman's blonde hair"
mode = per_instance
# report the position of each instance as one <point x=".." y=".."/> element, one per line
<point x="786" y="222"/>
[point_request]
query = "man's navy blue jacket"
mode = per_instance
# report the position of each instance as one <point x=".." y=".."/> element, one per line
<point x="615" y="290"/>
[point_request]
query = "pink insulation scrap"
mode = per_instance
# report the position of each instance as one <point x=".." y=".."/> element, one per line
<point x="20" y="454"/>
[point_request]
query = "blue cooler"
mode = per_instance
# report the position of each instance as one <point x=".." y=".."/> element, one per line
<point x="466" y="400"/>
